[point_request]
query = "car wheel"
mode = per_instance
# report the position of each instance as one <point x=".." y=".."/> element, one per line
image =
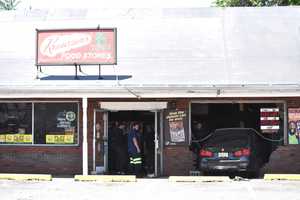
<point x="202" y="173"/>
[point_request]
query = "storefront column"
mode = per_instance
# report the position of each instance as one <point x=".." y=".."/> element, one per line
<point x="84" y="141"/>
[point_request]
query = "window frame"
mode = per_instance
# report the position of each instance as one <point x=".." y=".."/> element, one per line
<point x="32" y="128"/>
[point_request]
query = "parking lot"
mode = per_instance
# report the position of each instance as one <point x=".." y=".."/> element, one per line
<point x="143" y="189"/>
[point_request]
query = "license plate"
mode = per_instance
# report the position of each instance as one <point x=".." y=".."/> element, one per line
<point x="223" y="155"/>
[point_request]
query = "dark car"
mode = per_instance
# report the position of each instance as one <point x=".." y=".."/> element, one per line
<point x="232" y="150"/>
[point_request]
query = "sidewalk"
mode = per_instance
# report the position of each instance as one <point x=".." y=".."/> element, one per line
<point x="144" y="189"/>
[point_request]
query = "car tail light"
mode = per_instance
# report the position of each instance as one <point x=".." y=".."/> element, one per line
<point x="242" y="152"/>
<point x="246" y="152"/>
<point x="205" y="153"/>
<point x="238" y="153"/>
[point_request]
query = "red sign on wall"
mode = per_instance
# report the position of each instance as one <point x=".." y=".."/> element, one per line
<point x="76" y="46"/>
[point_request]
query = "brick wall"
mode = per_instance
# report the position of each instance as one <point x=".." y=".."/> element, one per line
<point x="53" y="160"/>
<point x="285" y="159"/>
<point x="293" y="102"/>
<point x="177" y="160"/>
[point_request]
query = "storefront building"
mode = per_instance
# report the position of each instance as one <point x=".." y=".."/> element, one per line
<point x="176" y="67"/>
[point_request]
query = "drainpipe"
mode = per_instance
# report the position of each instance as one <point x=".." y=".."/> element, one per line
<point x="84" y="140"/>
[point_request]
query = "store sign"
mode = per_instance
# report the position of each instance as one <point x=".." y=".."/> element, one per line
<point x="269" y="120"/>
<point x="294" y="125"/>
<point x="76" y="46"/>
<point x="176" y="127"/>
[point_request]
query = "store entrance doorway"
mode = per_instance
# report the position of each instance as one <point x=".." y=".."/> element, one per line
<point x="120" y="124"/>
<point x="110" y="141"/>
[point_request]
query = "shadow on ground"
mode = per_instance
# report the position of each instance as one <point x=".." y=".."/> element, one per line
<point x="86" y="78"/>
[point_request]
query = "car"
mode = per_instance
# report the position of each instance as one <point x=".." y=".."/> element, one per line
<point x="232" y="150"/>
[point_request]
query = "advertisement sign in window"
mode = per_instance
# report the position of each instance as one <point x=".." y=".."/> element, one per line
<point x="269" y="120"/>
<point x="294" y="126"/>
<point x="176" y="127"/>
<point x="59" y="139"/>
<point x="18" y="138"/>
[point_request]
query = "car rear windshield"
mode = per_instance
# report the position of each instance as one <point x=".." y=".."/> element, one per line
<point x="228" y="140"/>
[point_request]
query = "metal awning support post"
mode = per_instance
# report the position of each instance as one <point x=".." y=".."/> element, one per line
<point x="84" y="140"/>
<point x="99" y="75"/>
<point x="38" y="69"/>
<point x="76" y="76"/>
<point x="37" y="72"/>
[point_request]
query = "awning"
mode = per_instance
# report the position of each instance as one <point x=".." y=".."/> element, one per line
<point x="125" y="106"/>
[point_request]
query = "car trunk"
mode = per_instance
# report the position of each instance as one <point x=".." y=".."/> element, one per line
<point x="228" y="145"/>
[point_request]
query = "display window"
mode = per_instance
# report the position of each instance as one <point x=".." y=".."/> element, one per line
<point x="39" y="123"/>
<point x="15" y="123"/>
<point x="56" y="123"/>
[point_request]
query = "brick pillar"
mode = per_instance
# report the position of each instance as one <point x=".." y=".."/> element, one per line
<point x="178" y="160"/>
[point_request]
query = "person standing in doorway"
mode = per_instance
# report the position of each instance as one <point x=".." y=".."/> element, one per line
<point x="120" y="154"/>
<point x="134" y="150"/>
<point x="149" y="136"/>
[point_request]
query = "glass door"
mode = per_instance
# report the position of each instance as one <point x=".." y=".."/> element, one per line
<point x="100" y="142"/>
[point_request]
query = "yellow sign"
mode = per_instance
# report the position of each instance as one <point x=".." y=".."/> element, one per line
<point x="59" y="139"/>
<point x="2" y="138"/>
<point x="69" y="139"/>
<point x="16" y="138"/>
<point x="27" y="138"/>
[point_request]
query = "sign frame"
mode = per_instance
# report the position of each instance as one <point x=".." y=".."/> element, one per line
<point x="113" y="29"/>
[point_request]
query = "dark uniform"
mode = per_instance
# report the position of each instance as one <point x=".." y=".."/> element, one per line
<point x="149" y="137"/>
<point x="119" y="156"/>
<point x="135" y="159"/>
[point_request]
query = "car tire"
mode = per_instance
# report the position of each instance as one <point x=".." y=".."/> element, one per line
<point x="202" y="173"/>
<point x="254" y="174"/>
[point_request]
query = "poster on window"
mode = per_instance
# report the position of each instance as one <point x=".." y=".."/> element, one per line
<point x="65" y="119"/>
<point x="176" y="127"/>
<point x="294" y="125"/>
<point x="269" y="120"/>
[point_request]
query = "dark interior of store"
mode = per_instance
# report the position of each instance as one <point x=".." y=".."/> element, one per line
<point x="118" y="161"/>
<point x="214" y="116"/>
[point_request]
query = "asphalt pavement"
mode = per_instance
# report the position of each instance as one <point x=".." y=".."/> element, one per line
<point x="144" y="189"/>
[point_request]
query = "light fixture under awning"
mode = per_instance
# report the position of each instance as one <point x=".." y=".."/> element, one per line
<point x="124" y="106"/>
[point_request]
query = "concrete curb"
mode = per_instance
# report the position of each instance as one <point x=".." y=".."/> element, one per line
<point x="289" y="177"/>
<point x="106" y="178"/>
<point x="199" y="179"/>
<point x="26" y="177"/>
